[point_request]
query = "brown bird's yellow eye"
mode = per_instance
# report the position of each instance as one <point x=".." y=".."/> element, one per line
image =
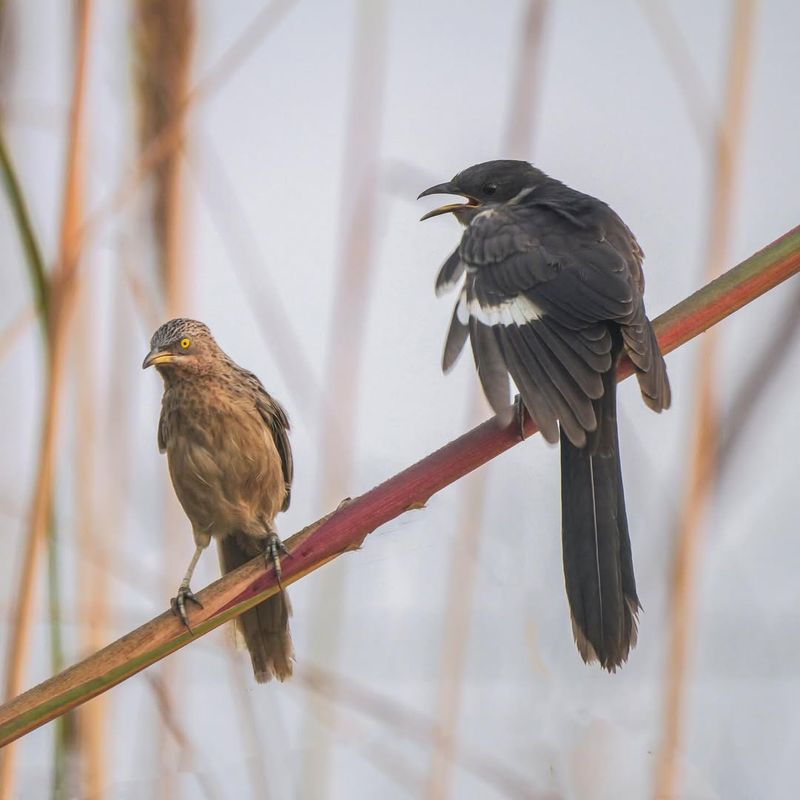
<point x="185" y="342"/>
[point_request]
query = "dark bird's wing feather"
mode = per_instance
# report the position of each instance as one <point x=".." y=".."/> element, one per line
<point x="450" y="273"/>
<point x="550" y="275"/>
<point x="457" y="334"/>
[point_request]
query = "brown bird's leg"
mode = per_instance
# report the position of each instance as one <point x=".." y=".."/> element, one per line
<point x="273" y="549"/>
<point x="185" y="594"/>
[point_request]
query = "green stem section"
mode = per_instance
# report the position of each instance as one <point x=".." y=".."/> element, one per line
<point x="30" y="246"/>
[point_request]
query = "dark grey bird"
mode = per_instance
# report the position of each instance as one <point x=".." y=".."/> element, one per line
<point x="552" y="295"/>
<point x="227" y="446"/>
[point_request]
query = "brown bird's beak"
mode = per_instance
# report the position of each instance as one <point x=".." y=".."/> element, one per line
<point x="155" y="357"/>
<point x="447" y="188"/>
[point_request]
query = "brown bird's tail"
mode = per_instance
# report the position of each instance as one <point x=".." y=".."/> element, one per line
<point x="598" y="567"/>
<point x="265" y="627"/>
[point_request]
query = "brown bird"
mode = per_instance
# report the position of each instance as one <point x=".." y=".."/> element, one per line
<point x="227" y="447"/>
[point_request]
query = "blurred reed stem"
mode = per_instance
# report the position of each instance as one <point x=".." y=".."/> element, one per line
<point x="465" y="556"/>
<point x="58" y="300"/>
<point x="169" y="137"/>
<point x="164" y="36"/>
<point x="37" y="272"/>
<point x="703" y="454"/>
<point x="345" y="529"/>
<point x="349" y="308"/>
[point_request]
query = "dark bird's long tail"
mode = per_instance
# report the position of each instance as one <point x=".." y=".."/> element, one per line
<point x="265" y="627"/>
<point x="598" y="567"/>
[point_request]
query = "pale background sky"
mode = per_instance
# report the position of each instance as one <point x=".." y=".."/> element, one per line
<point x="611" y="121"/>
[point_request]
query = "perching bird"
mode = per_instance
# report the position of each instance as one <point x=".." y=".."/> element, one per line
<point x="227" y="446"/>
<point x="553" y="296"/>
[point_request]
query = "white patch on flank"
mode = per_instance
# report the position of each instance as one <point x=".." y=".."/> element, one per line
<point x="520" y="310"/>
<point x="462" y="312"/>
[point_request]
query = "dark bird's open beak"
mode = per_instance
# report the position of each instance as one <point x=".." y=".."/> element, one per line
<point x="447" y="188"/>
<point x="155" y="357"/>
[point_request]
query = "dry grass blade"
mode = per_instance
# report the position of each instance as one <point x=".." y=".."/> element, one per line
<point x="702" y="467"/>
<point x="766" y="368"/>
<point x="405" y="723"/>
<point x="61" y="296"/>
<point x="277" y="327"/>
<point x="15" y="330"/>
<point x="686" y="71"/>
<point x="345" y="529"/>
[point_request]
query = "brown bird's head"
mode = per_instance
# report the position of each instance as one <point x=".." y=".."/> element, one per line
<point x="181" y="346"/>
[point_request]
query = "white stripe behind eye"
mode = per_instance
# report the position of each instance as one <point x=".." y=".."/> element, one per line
<point x="523" y="193"/>
<point x="520" y="310"/>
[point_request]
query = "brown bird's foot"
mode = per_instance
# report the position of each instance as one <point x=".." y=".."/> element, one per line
<point x="273" y="550"/>
<point x="178" y="604"/>
<point x="519" y="415"/>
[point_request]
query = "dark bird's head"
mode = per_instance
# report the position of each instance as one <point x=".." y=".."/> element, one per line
<point x="484" y="185"/>
<point x="181" y="346"/>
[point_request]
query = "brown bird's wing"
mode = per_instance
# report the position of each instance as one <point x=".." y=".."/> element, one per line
<point x="162" y="431"/>
<point x="277" y="422"/>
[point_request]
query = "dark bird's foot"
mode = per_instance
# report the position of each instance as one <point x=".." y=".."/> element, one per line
<point x="519" y="415"/>
<point x="178" y="605"/>
<point x="273" y="550"/>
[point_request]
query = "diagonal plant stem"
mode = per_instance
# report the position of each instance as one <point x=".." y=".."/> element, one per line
<point x="346" y="528"/>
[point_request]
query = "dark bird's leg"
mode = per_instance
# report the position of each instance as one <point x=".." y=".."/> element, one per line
<point x="598" y="567"/>
<point x="185" y="594"/>
<point x="519" y="415"/>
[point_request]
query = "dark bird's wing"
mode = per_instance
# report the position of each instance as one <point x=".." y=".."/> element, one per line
<point x="450" y="273"/>
<point x="277" y="421"/>
<point x="553" y="295"/>
<point x="544" y="280"/>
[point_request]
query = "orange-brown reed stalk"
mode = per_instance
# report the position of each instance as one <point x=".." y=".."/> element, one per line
<point x="348" y="317"/>
<point x="92" y="576"/>
<point x="169" y="137"/>
<point x="466" y="546"/>
<point x="703" y="452"/>
<point x="61" y="294"/>
<point x="164" y="35"/>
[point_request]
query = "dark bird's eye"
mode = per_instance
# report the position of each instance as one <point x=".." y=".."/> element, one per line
<point x="489" y="188"/>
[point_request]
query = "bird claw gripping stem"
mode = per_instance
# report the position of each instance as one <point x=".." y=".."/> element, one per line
<point x="273" y="550"/>
<point x="178" y="605"/>
<point x="519" y="415"/>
